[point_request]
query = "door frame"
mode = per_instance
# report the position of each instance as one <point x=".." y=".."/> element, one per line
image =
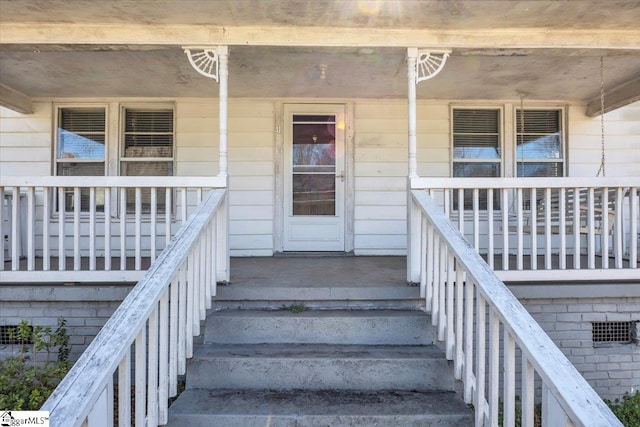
<point x="279" y="158"/>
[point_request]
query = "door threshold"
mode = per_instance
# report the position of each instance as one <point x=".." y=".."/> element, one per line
<point x="312" y="254"/>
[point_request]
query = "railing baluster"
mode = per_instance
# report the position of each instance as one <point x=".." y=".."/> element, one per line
<point x="442" y="283"/>
<point x="174" y="338"/>
<point x="468" y="341"/>
<point x="494" y="367"/>
<point x="619" y="229"/>
<point x="183" y="197"/>
<point x="591" y="223"/>
<point x="124" y="390"/>
<point x="491" y="249"/>
<point x="437" y="272"/>
<point x="167" y="216"/>
<point x="190" y="306"/>
<point x="604" y="229"/>
<point x="459" y="317"/>
<point x="123" y="228"/>
<point x="182" y="317"/>
<point x="481" y="322"/>
<point x="107" y="228"/>
<point x="547" y="229"/>
<point x="576" y="229"/>
<point x="153" y="231"/>
<point x="202" y="280"/>
<point x="520" y="228"/>
<point x="451" y="273"/>
<point x="505" y="228"/>
<point x="633" y="239"/>
<point x="138" y="229"/>
<point x="77" y="207"/>
<point x="15" y="229"/>
<point x="461" y="211"/>
<point x="476" y="219"/>
<point x="528" y="392"/>
<point x="429" y="275"/>
<point x="31" y="213"/>
<point x="509" y="379"/>
<point x="423" y="256"/>
<point x="163" y="361"/>
<point x="140" y="377"/>
<point x="563" y="229"/>
<point x="534" y="228"/>
<point x="209" y="256"/>
<point x="46" y="231"/>
<point x="2" y="219"/>
<point x="62" y="262"/>
<point x="92" y="228"/>
<point x="152" y="369"/>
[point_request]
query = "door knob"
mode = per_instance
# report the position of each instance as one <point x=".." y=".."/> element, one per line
<point x="341" y="176"/>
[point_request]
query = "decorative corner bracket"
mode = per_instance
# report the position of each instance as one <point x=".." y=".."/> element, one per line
<point x="205" y="59"/>
<point x="429" y="63"/>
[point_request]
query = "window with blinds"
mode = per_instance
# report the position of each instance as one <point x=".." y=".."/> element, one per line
<point x="147" y="150"/>
<point x="80" y="150"/>
<point x="477" y="149"/>
<point x="539" y="146"/>
<point x="539" y="150"/>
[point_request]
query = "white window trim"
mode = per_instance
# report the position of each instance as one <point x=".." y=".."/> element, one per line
<point x="563" y="133"/>
<point x="501" y="136"/>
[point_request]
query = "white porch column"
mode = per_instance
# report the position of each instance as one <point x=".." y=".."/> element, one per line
<point x="223" y="58"/>
<point x="212" y="62"/>
<point x="421" y="65"/>
<point x="412" y="56"/>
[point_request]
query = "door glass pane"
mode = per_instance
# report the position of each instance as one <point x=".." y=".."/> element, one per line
<point x="314" y="194"/>
<point x="313" y="161"/>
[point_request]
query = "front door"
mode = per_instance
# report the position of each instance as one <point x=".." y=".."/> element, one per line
<point x="314" y="175"/>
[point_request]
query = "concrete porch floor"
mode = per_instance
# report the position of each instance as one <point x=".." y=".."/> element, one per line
<point x="319" y="271"/>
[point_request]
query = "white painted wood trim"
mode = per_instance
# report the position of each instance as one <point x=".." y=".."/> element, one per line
<point x="576" y="397"/>
<point x="208" y="35"/>
<point x="568" y="275"/>
<point x="114" y="181"/>
<point x="471" y="183"/>
<point x="77" y="393"/>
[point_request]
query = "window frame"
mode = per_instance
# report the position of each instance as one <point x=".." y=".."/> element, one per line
<point x="120" y="158"/>
<point x="562" y="113"/>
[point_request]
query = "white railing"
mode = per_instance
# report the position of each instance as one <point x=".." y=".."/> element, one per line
<point x="91" y="229"/>
<point x="561" y="228"/>
<point x="158" y="321"/>
<point x="465" y="298"/>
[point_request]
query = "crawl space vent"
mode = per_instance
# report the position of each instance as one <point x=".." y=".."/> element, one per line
<point x="613" y="332"/>
<point x="7" y="332"/>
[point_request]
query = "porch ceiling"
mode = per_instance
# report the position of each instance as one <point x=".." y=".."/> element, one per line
<point x="52" y="48"/>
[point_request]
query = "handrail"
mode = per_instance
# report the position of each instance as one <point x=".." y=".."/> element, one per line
<point x="175" y="280"/>
<point x="531" y="182"/>
<point x="526" y="224"/>
<point x="448" y="258"/>
<point x="92" y="229"/>
<point x="113" y="181"/>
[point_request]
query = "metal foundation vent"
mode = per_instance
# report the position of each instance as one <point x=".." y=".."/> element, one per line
<point x="9" y="336"/>
<point x="613" y="332"/>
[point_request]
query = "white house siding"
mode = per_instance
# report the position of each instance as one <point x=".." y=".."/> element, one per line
<point x="622" y="142"/>
<point x="251" y="164"/>
<point x="379" y="149"/>
<point x="25" y="141"/>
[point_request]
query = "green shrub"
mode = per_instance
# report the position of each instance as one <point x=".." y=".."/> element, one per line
<point x="28" y="378"/>
<point x="627" y="409"/>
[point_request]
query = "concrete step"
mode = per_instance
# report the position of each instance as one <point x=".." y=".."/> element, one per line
<point x="248" y="408"/>
<point x="317" y="367"/>
<point x="369" y="327"/>
<point x="346" y="296"/>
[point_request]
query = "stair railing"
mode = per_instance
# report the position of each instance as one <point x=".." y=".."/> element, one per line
<point x="477" y="318"/>
<point x="135" y="360"/>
